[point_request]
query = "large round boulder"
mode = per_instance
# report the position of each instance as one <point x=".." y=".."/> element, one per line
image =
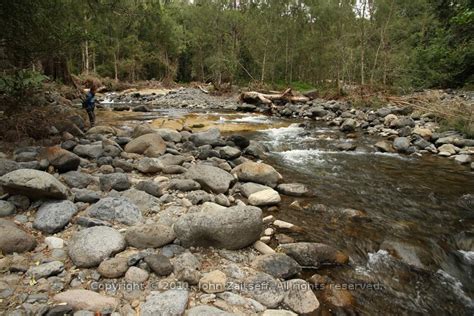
<point x="34" y="184"/>
<point x="89" y="247"/>
<point x="52" y="217"/>
<point x="257" y="172"/>
<point x="150" y="145"/>
<point x="232" y="228"/>
<point x="210" y="178"/>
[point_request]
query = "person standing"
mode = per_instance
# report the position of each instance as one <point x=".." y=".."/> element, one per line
<point x="89" y="105"/>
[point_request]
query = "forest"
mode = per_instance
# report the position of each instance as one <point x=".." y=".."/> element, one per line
<point x="403" y="44"/>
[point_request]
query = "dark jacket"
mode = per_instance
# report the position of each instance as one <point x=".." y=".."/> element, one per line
<point x="89" y="102"/>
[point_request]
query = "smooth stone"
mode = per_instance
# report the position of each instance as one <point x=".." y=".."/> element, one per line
<point x="149" y="236"/>
<point x="293" y="189"/>
<point x="54" y="242"/>
<point x="183" y="185"/>
<point x="14" y="239"/>
<point x="6" y="208"/>
<point x="264" y="198"/>
<point x="159" y="264"/>
<point x="384" y="146"/>
<point x="150" y="145"/>
<point x="249" y="188"/>
<point x="62" y="159"/>
<point x="33" y="184"/>
<point x="113" y="268"/>
<point x="463" y="159"/>
<point x="401" y="144"/>
<point x="213" y="282"/>
<point x="136" y="275"/>
<point x="77" y="179"/>
<point x="89" y="247"/>
<point x="85" y="195"/>
<point x="115" y="181"/>
<point x="91" y="151"/>
<point x="210" y="178"/>
<point x="87" y="300"/>
<point x="52" y="217"/>
<point x="210" y="137"/>
<point x="264" y="289"/>
<point x="257" y="172"/>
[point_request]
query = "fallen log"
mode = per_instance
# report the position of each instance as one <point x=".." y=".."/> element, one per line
<point x="254" y="97"/>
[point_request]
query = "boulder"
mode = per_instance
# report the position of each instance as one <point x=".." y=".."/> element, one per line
<point x="249" y="188"/>
<point x="183" y="185"/>
<point x="85" y="196"/>
<point x="293" y="189"/>
<point x="450" y="149"/>
<point x="52" y="217"/>
<point x="171" y="302"/>
<point x="463" y="159"/>
<point x="150" y="145"/>
<point x="210" y="178"/>
<point x="7" y="166"/>
<point x="233" y="228"/>
<point x="61" y="159"/>
<point x="145" y="201"/>
<point x="265" y="198"/>
<point x="87" y="300"/>
<point x="115" y="181"/>
<point x="401" y="144"/>
<point x="45" y="270"/>
<point x="384" y="146"/>
<point x="6" y="208"/>
<point x="149" y="165"/>
<point x="300" y="297"/>
<point x="149" y="236"/>
<point x="257" y="172"/>
<point x="89" y="247"/>
<point x="14" y="239"/>
<point x="277" y="265"/>
<point x="229" y="152"/>
<point x="34" y="184"/>
<point x="116" y="209"/>
<point x="171" y="160"/>
<point x="210" y="137"/>
<point x="240" y="141"/>
<point x="425" y="133"/>
<point x="309" y="254"/>
<point x="169" y="135"/>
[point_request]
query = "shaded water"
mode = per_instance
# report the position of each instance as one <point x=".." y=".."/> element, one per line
<point x="409" y="207"/>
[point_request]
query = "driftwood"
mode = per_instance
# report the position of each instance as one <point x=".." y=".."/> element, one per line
<point x="253" y="97"/>
<point x="203" y="90"/>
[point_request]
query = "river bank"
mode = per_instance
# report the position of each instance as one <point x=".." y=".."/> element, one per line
<point x="193" y="185"/>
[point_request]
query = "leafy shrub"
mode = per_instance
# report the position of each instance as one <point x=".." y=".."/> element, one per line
<point x="19" y="86"/>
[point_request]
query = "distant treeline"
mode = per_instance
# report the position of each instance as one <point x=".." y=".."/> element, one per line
<point x="400" y="43"/>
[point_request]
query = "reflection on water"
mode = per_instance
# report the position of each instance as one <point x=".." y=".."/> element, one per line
<point x="413" y="238"/>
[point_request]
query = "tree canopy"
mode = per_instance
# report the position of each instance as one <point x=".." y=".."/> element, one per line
<point x="402" y="43"/>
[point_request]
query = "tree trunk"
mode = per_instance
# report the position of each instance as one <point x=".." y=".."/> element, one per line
<point x="115" y="66"/>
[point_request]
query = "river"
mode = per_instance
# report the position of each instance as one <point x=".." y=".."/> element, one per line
<point x="396" y="216"/>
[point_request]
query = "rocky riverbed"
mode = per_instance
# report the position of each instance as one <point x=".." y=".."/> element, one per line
<point x="174" y="217"/>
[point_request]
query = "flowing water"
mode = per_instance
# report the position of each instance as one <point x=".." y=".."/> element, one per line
<point x="406" y="206"/>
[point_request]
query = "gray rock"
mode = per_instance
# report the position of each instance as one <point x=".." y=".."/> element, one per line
<point x="221" y="199"/>
<point x="87" y="300"/>
<point x="169" y="135"/>
<point x="113" y="268"/>
<point x="264" y="198"/>
<point x="277" y="265"/>
<point x="21" y="202"/>
<point x="309" y="254"/>
<point x="256" y="149"/>
<point x="149" y="165"/>
<point x="210" y="178"/>
<point x="46" y="269"/>
<point x="90" y="222"/>
<point x="467" y="202"/>
<point x="257" y="172"/>
<point x="85" y="196"/>
<point x="6" y="208"/>
<point x="119" y="209"/>
<point x="300" y="297"/>
<point x="229" y="152"/>
<point x="401" y="144"/>
<point x="238" y="300"/>
<point x="14" y="239"/>
<point x="293" y="189"/>
<point x="145" y="202"/>
<point x="210" y="137"/>
<point x="171" y="302"/>
<point x="183" y="185"/>
<point x="234" y="228"/>
<point x="34" y="184"/>
<point x="204" y="310"/>
<point x="76" y="179"/>
<point x="174" y="170"/>
<point x="463" y="159"/>
<point x="264" y="289"/>
<point x="151" y="188"/>
<point x="150" y="145"/>
<point x="384" y="146"/>
<point x="92" y="151"/>
<point x="115" y="181"/>
<point x="52" y="217"/>
<point x="7" y="166"/>
<point x="159" y="264"/>
<point x="348" y="125"/>
<point x="198" y="197"/>
<point x="171" y="160"/>
<point x="249" y="188"/>
<point x="149" y="236"/>
<point x="136" y="275"/>
<point x="89" y="247"/>
<point x="240" y="141"/>
<point x="401" y="122"/>
<point x="123" y="164"/>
